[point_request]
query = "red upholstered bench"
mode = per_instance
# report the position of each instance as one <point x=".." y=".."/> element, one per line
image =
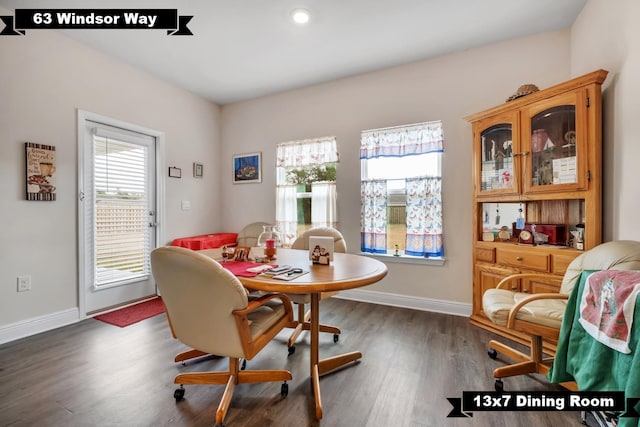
<point x="206" y="241"/>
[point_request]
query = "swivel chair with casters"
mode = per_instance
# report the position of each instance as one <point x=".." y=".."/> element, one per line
<point x="540" y="315"/>
<point x="248" y="236"/>
<point x="302" y="322"/>
<point x="209" y="311"/>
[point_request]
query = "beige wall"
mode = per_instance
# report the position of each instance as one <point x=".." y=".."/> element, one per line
<point x="606" y="35"/>
<point x="45" y="77"/>
<point x="447" y="88"/>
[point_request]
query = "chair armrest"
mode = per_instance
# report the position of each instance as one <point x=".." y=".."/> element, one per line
<point x="251" y="345"/>
<point x="534" y="297"/>
<point x="502" y="284"/>
<point x="262" y="300"/>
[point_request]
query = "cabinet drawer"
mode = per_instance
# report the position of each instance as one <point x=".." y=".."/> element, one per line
<point x="535" y="287"/>
<point x="523" y="259"/>
<point x="486" y="254"/>
<point x="559" y="263"/>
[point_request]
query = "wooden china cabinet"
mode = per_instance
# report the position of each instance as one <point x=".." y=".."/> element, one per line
<point x="537" y="177"/>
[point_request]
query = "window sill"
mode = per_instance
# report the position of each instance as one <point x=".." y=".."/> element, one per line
<point x="405" y="259"/>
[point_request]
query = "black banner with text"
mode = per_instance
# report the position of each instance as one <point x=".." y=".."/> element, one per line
<point x="611" y="401"/>
<point x="147" y="19"/>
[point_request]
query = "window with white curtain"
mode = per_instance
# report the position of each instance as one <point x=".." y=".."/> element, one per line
<point x="401" y="190"/>
<point x="306" y="186"/>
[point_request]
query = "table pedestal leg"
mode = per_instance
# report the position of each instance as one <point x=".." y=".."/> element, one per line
<point x="315" y="358"/>
<point x="331" y="363"/>
<point x="319" y="367"/>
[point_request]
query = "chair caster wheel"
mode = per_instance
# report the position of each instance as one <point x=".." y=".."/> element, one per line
<point x="499" y="385"/>
<point x="178" y="394"/>
<point x="244" y="365"/>
<point x="492" y="353"/>
<point x="284" y="390"/>
<point x="336" y="337"/>
<point x="292" y="350"/>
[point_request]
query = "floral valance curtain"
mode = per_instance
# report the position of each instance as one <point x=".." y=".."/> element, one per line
<point x="402" y="141"/>
<point x="307" y="152"/>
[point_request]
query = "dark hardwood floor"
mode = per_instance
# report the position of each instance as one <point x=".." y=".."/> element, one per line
<point x="95" y="374"/>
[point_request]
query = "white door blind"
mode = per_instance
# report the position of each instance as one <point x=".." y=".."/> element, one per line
<point x="122" y="220"/>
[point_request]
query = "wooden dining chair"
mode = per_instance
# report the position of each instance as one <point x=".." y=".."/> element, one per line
<point x="209" y="311"/>
<point x="302" y="322"/>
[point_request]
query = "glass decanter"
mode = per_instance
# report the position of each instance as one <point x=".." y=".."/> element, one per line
<point x="269" y="232"/>
<point x="269" y="240"/>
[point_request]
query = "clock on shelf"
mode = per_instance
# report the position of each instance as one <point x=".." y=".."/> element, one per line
<point x="525" y="237"/>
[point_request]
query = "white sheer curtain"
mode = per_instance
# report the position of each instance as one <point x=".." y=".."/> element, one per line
<point x="286" y="213"/>
<point x="307" y="152"/>
<point x="323" y="204"/>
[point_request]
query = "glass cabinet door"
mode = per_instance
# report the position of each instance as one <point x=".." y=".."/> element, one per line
<point x="495" y="159"/>
<point x="554" y="139"/>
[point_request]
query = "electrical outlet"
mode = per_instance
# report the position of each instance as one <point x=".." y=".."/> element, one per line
<point x="24" y="283"/>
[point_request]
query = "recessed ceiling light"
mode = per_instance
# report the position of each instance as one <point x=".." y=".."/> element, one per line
<point x="300" y="16"/>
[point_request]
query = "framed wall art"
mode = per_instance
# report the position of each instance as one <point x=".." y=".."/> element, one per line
<point x="247" y="168"/>
<point x="175" y="172"/>
<point x="41" y="168"/>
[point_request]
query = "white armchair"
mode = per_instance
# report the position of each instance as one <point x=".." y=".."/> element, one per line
<point x="540" y="315"/>
<point x="208" y="310"/>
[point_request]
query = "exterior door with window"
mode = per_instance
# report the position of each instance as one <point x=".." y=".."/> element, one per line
<point x="118" y="211"/>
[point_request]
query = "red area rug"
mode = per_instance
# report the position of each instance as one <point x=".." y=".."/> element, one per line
<point x="133" y="314"/>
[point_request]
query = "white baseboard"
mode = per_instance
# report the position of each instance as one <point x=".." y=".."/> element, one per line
<point x="404" y="301"/>
<point x="51" y="321"/>
<point x="37" y="325"/>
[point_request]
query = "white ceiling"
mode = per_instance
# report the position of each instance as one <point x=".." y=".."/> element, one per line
<point x="243" y="49"/>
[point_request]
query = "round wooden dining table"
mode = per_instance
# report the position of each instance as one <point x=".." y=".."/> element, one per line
<point x="346" y="271"/>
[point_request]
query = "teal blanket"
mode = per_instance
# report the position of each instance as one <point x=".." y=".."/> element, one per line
<point x="591" y="364"/>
